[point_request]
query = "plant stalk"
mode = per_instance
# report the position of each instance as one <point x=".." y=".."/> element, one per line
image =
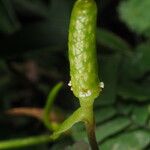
<point x="29" y="141"/>
<point x="90" y="124"/>
<point x="90" y="128"/>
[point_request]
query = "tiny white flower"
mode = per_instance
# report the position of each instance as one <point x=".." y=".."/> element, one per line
<point x="85" y="94"/>
<point x="102" y="85"/>
<point x="69" y="84"/>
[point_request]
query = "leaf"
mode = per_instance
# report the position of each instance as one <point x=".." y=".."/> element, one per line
<point x="31" y="8"/>
<point x="143" y="57"/>
<point x="112" y="41"/>
<point x="129" y="70"/>
<point x="60" y="19"/>
<point x="102" y="114"/>
<point x="124" y="109"/>
<point x="140" y="115"/>
<point x="108" y="74"/>
<point x="62" y="144"/>
<point x="102" y="131"/>
<point x="32" y="37"/>
<point x="49" y="33"/>
<point x="9" y="22"/>
<point x="79" y="132"/>
<point x="138" y="64"/>
<point x="135" y="13"/>
<point x="135" y="140"/>
<point x="112" y="127"/>
<point x="134" y="91"/>
<point x="81" y="145"/>
<point x="147" y="33"/>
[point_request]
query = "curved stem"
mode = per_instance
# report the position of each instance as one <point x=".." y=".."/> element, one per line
<point x="49" y="103"/>
<point x="34" y="140"/>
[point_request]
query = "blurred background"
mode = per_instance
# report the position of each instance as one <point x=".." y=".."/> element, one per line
<point x="34" y="58"/>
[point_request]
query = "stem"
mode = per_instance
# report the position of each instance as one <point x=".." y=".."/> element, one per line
<point x="50" y="100"/>
<point x="77" y="116"/>
<point x="34" y="140"/>
<point x="90" y="124"/>
<point x="90" y="128"/>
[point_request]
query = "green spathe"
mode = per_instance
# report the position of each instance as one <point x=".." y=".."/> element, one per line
<point x="82" y="51"/>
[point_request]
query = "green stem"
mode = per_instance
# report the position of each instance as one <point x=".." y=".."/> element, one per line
<point x="77" y="116"/>
<point x="90" y="127"/>
<point x="89" y="120"/>
<point x="49" y="103"/>
<point x="29" y="141"/>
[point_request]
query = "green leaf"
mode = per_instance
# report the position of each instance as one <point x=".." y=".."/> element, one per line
<point x="34" y="36"/>
<point x="61" y="144"/>
<point x="31" y="8"/>
<point x="112" y="41"/>
<point x="135" y="13"/>
<point x="147" y="33"/>
<point x="135" y="140"/>
<point x="108" y="74"/>
<point x="78" y="146"/>
<point x="140" y="115"/>
<point x="112" y="127"/>
<point x="9" y="22"/>
<point x="129" y="70"/>
<point x="134" y="91"/>
<point x="102" y="131"/>
<point x="104" y="113"/>
<point x="79" y="132"/>
<point x="137" y="64"/>
<point x="124" y="109"/>
<point x="143" y="57"/>
<point x="60" y="19"/>
<point x="48" y="33"/>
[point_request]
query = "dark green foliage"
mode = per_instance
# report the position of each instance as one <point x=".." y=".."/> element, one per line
<point x="136" y="15"/>
<point x="33" y="58"/>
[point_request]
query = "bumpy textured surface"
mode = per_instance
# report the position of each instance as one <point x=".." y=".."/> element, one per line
<point x="82" y="50"/>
